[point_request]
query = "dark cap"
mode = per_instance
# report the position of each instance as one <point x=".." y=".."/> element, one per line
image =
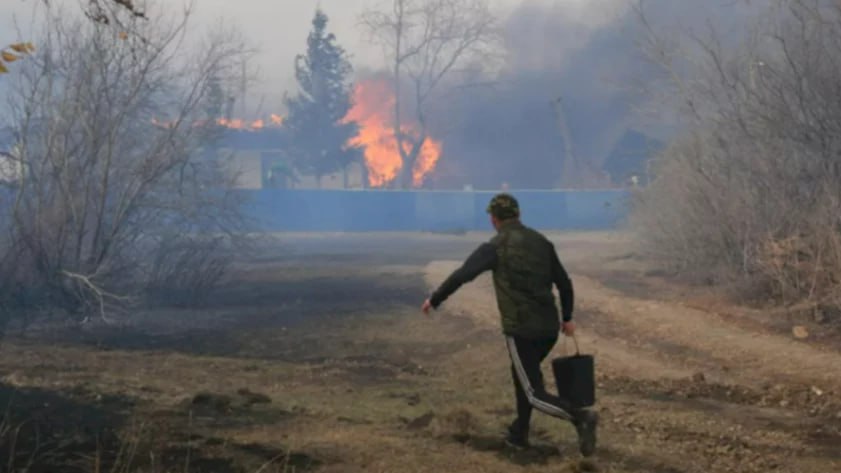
<point x="504" y="206"/>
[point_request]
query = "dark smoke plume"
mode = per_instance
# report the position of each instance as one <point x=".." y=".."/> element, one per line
<point x="508" y="131"/>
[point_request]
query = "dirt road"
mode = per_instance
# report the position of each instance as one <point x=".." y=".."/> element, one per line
<point x="315" y="358"/>
<point x="686" y="389"/>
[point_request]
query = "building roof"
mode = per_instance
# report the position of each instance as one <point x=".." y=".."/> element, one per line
<point x="265" y="139"/>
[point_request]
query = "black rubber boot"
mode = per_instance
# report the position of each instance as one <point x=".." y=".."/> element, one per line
<point x="516" y="438"/>
<point x="586" y="423"/>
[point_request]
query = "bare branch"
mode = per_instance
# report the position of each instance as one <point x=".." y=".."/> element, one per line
<point x="425" y="41"/>
<point x="100" y="181"/>
<point x="102" y="296"/>
<point x="750" y="192"/>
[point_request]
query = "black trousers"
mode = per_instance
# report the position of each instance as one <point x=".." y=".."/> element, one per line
<point x="526" y="355"/>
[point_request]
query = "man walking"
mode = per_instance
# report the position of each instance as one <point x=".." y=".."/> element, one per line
<point x="525" y="267"/>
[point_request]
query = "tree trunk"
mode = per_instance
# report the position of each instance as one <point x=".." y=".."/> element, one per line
<point x="398" y="129"/>
<point x="364" y="170"/>
<point x="406" y="175"/>
<point x="407" y="172"/>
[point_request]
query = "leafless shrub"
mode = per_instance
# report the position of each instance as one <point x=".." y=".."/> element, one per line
<point x="14" y="459"/>
<point x="109" y="157"/>
<point x="185" y="270"/>
<point x="750" y="192"/>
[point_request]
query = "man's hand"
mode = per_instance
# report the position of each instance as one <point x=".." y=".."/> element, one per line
<point x="427" y="305"/>
<point x="568" y="328"/>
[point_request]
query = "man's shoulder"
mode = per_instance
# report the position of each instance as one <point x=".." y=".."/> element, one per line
<point x="517" y="232"/>
<point x="495" y="240"/>
<point x="491" y="246"/>
<point x="538" y="235"/>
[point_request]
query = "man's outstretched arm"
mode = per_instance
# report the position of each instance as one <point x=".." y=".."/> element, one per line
<point x="481" y="260"/>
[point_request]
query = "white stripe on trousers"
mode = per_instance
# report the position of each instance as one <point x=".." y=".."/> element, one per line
<point x="538" y="404"/>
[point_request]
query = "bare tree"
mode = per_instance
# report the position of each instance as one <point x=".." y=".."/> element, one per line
<point x="750" y="191"/>
<point x="426" y="43"/>
<point x="109" y="162"/>
<point x="105" y="11"/>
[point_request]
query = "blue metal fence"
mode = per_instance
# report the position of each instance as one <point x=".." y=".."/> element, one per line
<point x="300" y="210"/>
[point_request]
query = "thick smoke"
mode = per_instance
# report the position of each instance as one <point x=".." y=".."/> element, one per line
<point x="508" y="132"/>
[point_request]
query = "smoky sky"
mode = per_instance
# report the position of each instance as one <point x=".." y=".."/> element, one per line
<point x="583" y="51"/>
<point x="275" y="29"/>
<point x="509" y="132"/>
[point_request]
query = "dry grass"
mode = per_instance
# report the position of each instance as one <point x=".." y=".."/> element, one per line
<point x="359" y="388"/>
<point x="748" y="195"/>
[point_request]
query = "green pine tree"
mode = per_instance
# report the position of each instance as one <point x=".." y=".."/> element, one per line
<point x="318" y="137"/>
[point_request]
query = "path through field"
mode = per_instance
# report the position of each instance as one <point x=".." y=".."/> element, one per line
<point x="315" y="357"/>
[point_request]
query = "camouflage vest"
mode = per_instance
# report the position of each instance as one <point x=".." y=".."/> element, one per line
<point x="523" y="282"/>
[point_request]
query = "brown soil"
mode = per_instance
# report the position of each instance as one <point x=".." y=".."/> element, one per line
<point x="316" y="358"/>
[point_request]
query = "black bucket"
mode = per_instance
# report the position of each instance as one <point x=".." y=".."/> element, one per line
<point x="575" y="377"/>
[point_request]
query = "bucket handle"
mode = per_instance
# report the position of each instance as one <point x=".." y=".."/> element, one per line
<point x="574" y="339"/>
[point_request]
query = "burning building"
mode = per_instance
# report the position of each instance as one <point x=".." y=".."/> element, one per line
<point x="256" y="150"/>
<point x="259" y="158"/>
<point x="373" y="110"/>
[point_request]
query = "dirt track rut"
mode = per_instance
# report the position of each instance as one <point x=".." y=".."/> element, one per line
<point x="684" y="389"/>
<point x="357" y="380"/>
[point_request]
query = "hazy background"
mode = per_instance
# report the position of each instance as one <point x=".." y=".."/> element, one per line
<point x="278" y="29"/>
<point x="584" y="51"/>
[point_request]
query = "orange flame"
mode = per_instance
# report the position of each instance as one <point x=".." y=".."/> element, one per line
<point x="239" y="124"/>
<point x="428" y="157"/>
<point x="233" y="124"/>
<point x="373" y="110"/>
<point x="161" y="124"/>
